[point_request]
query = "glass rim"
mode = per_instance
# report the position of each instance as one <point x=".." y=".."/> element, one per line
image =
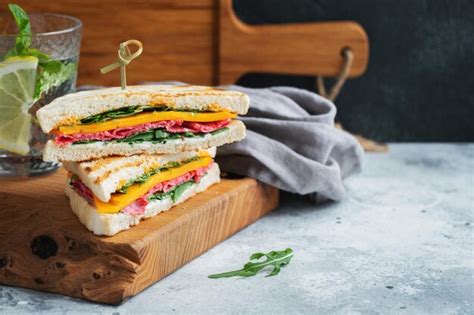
<point x="77" y="25"/>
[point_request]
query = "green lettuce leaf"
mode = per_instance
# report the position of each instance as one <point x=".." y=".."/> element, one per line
<point x="175" y="193"/>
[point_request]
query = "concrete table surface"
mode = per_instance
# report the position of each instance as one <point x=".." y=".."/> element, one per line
<point x="401" y="242"/>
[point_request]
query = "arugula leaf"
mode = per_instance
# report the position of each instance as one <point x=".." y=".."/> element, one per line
<point x="175" y="193"/>
<point x="129" y="111"/>
<point x="160" y="134"/>
<point x="116" y="113"/>
<point x="138" y="180"/>
<point x="86" y="142"/>
<point x="180" y="189"/>
<point x="139" y="137"/>
<point x="160" y="195"/>
<point x="277" y="259"/>
<point x="155" y="136"/>
<point x="144" y="177"/>
<point x="174" y="164"/>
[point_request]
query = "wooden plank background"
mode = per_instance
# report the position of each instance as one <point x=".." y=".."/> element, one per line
<point x="178" y="37"/>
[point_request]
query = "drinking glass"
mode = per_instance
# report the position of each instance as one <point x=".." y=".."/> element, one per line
<point x="59" y="36"/>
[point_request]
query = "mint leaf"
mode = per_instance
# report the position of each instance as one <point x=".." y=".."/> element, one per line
<point x="42" y="57"/>
<point x="276" y="259"/>
<point x="23" y="39"/>
<point x="51" y="73"/>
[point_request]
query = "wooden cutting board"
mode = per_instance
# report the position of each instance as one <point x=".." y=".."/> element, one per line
<point x="43" y="246"/>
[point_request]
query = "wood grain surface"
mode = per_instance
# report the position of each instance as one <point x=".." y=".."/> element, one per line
<point x="298" y="48"/>
<point x="201" y="42"/>
<point x="45" y="247"/>
<point x="178" y="37"/>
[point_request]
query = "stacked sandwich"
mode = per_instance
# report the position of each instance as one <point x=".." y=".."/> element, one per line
<point x="131" y="154"/>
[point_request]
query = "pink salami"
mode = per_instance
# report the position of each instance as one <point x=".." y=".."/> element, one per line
<point x="173" y="126"/>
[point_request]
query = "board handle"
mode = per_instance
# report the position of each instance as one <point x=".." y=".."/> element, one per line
<point x="313" y="49"/>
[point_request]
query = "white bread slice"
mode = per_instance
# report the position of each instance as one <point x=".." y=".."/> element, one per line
<point x="105" y="176"/>
<point x="69" y="109"/>
<point x="88" y="151"/>
<point x="110" y="224"/>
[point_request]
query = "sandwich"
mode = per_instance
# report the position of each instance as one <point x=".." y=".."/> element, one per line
<point x="112" y="194"/>
<point x="159" y="119"/>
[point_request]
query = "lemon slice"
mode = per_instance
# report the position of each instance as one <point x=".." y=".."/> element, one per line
<point x="17" y="85"/>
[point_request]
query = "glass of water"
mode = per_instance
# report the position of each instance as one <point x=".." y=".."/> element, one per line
<point x="29" y="82"/>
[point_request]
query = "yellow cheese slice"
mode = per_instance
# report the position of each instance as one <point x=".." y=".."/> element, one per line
<point x="119" y="201"/>
<point x="146" y="118"/>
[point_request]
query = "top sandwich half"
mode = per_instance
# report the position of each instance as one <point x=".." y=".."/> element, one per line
<point x="152" y="119"/>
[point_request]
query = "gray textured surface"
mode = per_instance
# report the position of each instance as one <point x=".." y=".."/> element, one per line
<point x="402" y="242"/>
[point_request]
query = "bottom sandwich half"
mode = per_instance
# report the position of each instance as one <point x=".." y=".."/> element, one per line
<point x="146" y="193"/>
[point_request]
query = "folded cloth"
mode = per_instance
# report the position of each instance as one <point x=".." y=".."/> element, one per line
<point x="292" y="144"/>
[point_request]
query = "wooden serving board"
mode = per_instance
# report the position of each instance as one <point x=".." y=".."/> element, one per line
<point x="43" y="246"/>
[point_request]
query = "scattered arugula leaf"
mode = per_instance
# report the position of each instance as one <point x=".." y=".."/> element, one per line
<point x="277" y="259"/>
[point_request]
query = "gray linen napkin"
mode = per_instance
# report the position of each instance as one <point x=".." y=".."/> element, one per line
<point x="292" y="144"/>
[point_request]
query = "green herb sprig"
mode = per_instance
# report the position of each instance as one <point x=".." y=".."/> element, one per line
<point x="276" y="259"/>
<point x="51" y="72"/>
